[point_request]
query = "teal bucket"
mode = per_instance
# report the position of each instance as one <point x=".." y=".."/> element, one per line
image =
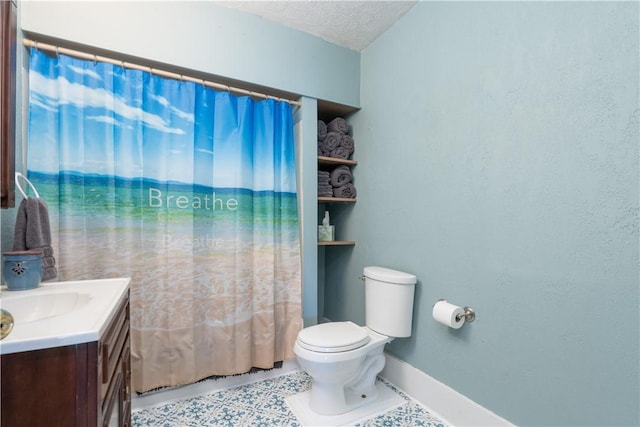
<point x="22" y="270"/>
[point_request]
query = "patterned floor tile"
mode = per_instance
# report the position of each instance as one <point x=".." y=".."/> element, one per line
<point x="262" y="404"/>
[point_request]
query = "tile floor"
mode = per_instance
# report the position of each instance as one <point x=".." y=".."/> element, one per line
<point x="253" y="400"/>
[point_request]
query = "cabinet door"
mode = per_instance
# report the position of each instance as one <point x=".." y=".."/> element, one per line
<point x="116" y="372"/>
<point x="113" y="413"/>
<point x="126" y="386"/>
<point x="43" y="385"/>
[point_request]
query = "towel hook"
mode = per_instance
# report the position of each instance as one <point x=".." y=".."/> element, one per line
<point x="33" y="188"/>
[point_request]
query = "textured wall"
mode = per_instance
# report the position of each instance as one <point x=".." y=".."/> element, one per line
<point x="205" y="37"/>
<point x="498" y="161"/>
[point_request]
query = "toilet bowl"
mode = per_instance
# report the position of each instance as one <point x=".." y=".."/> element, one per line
<point x="344" y="359"/>
<point x="342" y="379"/>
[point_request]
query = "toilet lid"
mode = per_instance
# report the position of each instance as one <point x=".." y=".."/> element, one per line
<point x="333" y="337"/>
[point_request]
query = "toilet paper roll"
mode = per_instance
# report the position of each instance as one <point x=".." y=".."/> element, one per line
<point x="448" y="314"/>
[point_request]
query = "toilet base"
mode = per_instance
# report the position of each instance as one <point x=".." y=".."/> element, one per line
<point x="386" y="400"/>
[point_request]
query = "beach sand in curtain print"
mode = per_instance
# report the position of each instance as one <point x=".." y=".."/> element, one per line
<point x="196" y="270"/>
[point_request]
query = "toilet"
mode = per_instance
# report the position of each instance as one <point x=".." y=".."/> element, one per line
<point x="342" y="358"/>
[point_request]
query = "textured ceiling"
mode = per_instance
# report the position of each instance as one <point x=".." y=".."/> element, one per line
<point x="353" y="24"/>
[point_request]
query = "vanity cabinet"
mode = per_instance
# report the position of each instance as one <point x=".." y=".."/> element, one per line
<point x="114" y="372"/>
<point x="81" y="385"/>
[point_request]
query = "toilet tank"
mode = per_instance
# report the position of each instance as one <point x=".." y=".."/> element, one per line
<point x="389" y="301"/>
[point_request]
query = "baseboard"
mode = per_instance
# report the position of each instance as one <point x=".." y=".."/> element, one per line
<point x="440" y="399"/>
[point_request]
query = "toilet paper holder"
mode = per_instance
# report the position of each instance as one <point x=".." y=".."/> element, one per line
<point x="469" y="314"/>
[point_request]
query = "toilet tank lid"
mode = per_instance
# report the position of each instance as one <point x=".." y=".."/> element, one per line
<point x="388" y="275"/>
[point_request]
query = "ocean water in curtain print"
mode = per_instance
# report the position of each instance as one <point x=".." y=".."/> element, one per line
<point x="189" y="191"/>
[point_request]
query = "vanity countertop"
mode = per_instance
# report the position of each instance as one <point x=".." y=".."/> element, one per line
<point x="58" y="314"/>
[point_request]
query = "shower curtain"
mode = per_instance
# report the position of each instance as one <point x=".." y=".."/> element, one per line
<point x="191" y="193"/>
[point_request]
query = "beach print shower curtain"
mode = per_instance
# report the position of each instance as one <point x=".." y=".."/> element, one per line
<point x="188" y="191"/>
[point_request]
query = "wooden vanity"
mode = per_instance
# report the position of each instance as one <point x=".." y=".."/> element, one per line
<point x="83" y="384"/>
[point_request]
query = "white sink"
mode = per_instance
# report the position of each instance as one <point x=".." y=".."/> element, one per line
<point x="61" y="313"/>
<point x="30" y="308"/>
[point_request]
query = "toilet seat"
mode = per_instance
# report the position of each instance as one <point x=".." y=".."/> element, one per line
<point x="333" y="337"/>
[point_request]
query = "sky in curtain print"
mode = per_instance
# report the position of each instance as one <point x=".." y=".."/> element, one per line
<point x="88" y="116"/>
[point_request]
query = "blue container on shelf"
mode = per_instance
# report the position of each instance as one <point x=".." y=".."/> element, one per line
<point x="22" y="270"/>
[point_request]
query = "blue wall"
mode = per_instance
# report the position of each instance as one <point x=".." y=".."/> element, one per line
<point x="202" y="36"/>
<point x="498" y="161"/>
<point x="498" y="151"/>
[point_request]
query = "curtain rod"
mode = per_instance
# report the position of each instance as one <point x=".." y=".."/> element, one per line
<point x="156" y="71"/>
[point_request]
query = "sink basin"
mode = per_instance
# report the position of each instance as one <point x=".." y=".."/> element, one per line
<point x="30" y="308"/>
<point x="57" y="314"/>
